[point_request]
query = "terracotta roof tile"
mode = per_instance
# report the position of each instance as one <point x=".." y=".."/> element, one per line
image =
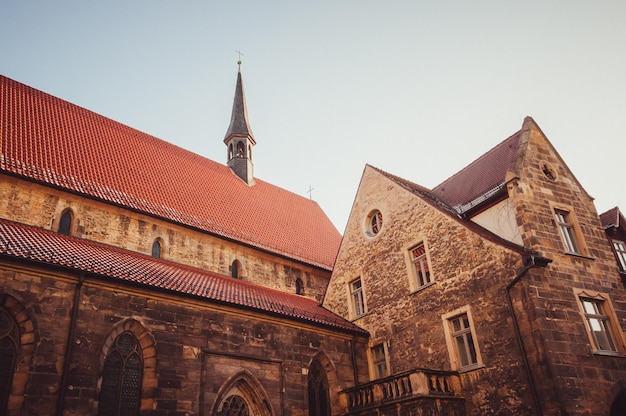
<point x="483" y="176"/>
<point x="33" y="244"/>
<point x="55" y="142"/>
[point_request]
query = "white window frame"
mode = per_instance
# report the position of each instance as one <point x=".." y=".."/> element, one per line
<point x="357" y="301"/>
<point x="379" y="366"/>
<point x="620" y="252"/>
<point x="452" y="336"/>
<point x="416" y="264"/>
<point x="603" y="320"/>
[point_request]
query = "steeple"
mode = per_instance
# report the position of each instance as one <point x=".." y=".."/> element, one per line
<point x="239" y="138"/>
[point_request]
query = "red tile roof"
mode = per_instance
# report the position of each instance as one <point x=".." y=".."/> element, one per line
<point x="23" y="242"/>
<point x="611" y="218"/>
<point x="481" y="178"/>
<point x="52" y="141"/>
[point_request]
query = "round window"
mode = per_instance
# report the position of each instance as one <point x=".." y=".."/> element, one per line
<point x="374" y="222"/>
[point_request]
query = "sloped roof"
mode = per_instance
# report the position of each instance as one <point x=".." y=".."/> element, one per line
<point x="482" y="177"/>
<point x="52" y="141"/>
<point x="431" y="198"/>
<point x="239" y="124"/>
<point x="24" y="242"/>
<point x="611" y="218"/>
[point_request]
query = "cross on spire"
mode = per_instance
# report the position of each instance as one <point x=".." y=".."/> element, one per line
<point x="239" y="60"/>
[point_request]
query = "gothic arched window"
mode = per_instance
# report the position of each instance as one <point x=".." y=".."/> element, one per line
<point x="234" y="269"/>
<point x="156" y="249"/>
<point x="241" y="149"/>
<point x="299" y="287"/>
<point x="65" y="224"/>
<point x="9" y="344"/>
<point x="234" y="406"/>
<point x="121" y="378"/>
<point x="319" y="399"/>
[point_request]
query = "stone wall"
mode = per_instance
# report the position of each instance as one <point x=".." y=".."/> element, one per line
<point x="467" y="270"/>
<point x="191" y="349"/>
<point x="40" y="206"/>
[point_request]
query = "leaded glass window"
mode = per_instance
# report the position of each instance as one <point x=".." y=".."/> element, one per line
<point x="120" y="394"/>
<point x="9" y="345"/>
<point x="420" y="265"/>
<point x="234" y="406"/>
<point x="319" y="399"/>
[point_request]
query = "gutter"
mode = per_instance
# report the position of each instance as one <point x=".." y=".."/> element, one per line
<point x="531" y="262"/>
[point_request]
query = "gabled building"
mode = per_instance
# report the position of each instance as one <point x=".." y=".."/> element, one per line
<point x="139" y="278"/>
<point x="496" y="292"/>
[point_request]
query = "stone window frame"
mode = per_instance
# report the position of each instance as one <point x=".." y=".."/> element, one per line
<point x="376" y="360"/>
<point x="352" y="297"/>
<point x="619" y="248"/>
<point x="147" y="344"/>
<point x="607" y="313"/>
<point x="374" y="223"/>
<point x="63" y="228"/>
<point x="410" y="260"/>
<point x="158" y="242"/>
<point x="569" y="230"/>
<point x="455" y="360"/>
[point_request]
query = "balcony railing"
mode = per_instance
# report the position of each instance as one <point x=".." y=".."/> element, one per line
<point x="415" y="383"/>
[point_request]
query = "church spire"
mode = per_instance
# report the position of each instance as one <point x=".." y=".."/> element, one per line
<point x="239" y="138"/>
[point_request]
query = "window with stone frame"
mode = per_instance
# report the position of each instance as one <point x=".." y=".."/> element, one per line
<point x="318" y="389"/>
<point x="156" y="249"/>
<point x="620" y="253"/>
<point x="65" y="223"/>
<point x="420" y="272"/>
<point x="570" y="235"/>
<point x="461" y="340"/>
<point x="379" y="360"/>
<point x="122" y="373"/>
<point x="601" y="323"/>
<point x="357" y="297"/>
<point x="9" y="348"/>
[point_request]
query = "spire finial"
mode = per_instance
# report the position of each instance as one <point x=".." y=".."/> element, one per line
<point x="239" y="60"/>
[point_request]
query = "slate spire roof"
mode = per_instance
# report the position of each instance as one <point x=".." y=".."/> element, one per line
<point x="56" y="143"/>
<point x="239" y="124"/>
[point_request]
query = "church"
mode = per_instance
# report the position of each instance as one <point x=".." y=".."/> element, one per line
<point x="138" y="278"/>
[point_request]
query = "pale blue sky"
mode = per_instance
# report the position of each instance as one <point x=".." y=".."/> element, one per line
<point x="417" y="88"/>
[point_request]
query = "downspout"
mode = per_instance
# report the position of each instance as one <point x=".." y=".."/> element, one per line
<point x="70" y="342"/>
<point x="531" y="262"/>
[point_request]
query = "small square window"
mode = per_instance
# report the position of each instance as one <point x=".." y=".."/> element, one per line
<point x="357" y="298"/>
<point x="379" y="360"/>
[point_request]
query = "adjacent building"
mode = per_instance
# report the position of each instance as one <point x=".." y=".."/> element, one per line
<point x="498" y="286"/>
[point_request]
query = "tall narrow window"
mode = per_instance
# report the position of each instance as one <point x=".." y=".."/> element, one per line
<point x="379" y="361"/>
<point x="567" y="231"/>
<point x="121" y="378"/>
<point x="463" y="340"/>
<point x="9" y="345"/>
<point x="620" y="253"/>
<point x="235" y="268"/>
<point x="156" y="249"/>
<point x="299" y="287"/>
<point x="357" y="297"/>
<point x="319" y="398"/>
<point x="421" y="269"/>
<point x="65" y="224"/>
<point x="598" y="324"/>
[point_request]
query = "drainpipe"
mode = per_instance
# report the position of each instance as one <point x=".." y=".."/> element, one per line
<point x="70" y="343"/>
<point x="531" y="262"/>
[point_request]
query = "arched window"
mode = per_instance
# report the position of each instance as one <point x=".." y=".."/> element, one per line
<point x="241" y="149"/>
<point x="234" y="269"/>
<point x="230" y="151"/>
<point x="234" y="406"/>
<point x="299" y="287"/>
<point x="9" y="345"/>
<point x="319" y="399"/>
<point x="65" y="224"/>
<point x="156" y="249"/>
<point x="120" y="393"/>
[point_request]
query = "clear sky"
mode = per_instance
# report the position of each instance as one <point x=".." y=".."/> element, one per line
<point x="417" y="88"/>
